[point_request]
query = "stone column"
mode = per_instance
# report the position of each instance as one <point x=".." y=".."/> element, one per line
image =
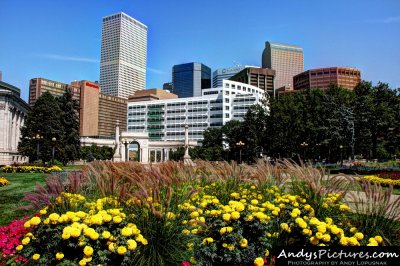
<point x="117" y="154"/>
<point x="186" y="158"/>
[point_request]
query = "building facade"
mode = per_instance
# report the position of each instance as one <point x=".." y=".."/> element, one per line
<point x="165" y="120"/>
<point x="13" y="112"/>
<point x="322" y="78"/>
<point x="98" y="111"/>
<point x="150" y="95"/>
<point x="225" y="73"/>
<point x="123" y="55"/>
<point x="189" y="79"/>
<point x="287" y="61"/>
<point x="37" y="86"/>
<point x="262" y="78"/>
<point x="167" y="86"/>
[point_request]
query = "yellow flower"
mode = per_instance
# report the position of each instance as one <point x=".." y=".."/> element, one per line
<point x="82" y="262"/>
<point x="226" y="217"/>
<point x="208" y="240"/>
<point x="126" y="231"/>
<point x="254" y="202"/>
<point x="243" y="243"/>
<point x="121" y="250"/>
<point x="59" y="255"/>
<point x="106" y="235"/>
<point x="235" y="215"/>
<point x="111" y="247"/>
<point x="54" y="217"/>
<point x="117" y="219"/>
<point x="259" y="261"/>
<point x="266" y="253"/>
<point x="314" y="240"/>
<point x="378" y="239"/>
<point x="27" y="224"/>
<point x="131" y="244"/>
<point x="222" y="230"/>
<point x="326" y="238"/>
<point x="19" y="247"/>
<point x="88" y="251"/>
<point x="359" y="236"/>
<point x="25" y="241"/>
<point x="185" y="232"/>
<point x="194" y="215"/>
<point x="36" y="256"/>
<point x="321" y="228"/>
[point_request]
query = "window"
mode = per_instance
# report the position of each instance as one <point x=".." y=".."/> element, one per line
<point x="226" y="115"/>
<point x="226" y="108"/>
<point x="226" y="92"/>
<point x="226" y="100"/>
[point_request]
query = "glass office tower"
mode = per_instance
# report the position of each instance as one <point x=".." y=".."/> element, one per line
<point x="189" y="79"/>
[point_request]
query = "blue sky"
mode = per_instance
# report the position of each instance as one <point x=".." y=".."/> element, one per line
<point x="60" y="40"/>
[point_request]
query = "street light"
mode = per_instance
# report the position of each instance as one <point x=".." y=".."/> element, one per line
<point x="341" y="155"/>
<point x="319" y="150"/>
<point x="125" y="141"/>
<point x="304" y="146"/>
<point x="240" y="144"/>
<point x="37" y="137"/>
<point x="53" y="142"/>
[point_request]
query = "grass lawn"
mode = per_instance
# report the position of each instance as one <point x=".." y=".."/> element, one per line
<point x="11" y="195"/>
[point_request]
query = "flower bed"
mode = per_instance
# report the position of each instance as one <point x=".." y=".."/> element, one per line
<point x="29" y="169"/>
<point x="382" y="181"/>
<point x="4" y="182"/>
<point x="209" y="215"/>
<point x="10" y="238"/>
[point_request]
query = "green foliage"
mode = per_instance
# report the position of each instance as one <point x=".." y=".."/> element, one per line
<point x="89" y="153"/>
<point x="43" y="120"/>
<point x="69" y="144"/>
<point x="51" y="118"/>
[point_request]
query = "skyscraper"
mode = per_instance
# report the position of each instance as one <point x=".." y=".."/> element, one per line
<point x="123" y="55"/>
<point x="286" y="60"/>
<point x="189" y="79"/>
<point x="225" y="73"/>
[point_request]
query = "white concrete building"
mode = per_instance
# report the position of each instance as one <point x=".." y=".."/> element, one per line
<point x="13" y="111"/>
<point x="123" y="55"/>
<point x="165" y="120"/>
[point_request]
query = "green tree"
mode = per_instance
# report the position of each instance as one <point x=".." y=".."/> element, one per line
<point x="43" y="120"/>
<point x="69" y="144"/>
<point x="255" y="126"/>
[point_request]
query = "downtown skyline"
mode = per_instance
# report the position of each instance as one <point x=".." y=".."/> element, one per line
<point x="62" y="42"/>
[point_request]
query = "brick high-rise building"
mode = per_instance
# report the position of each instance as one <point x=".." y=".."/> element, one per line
<point x="322" y="78"/>
<point x="38" y="86"/>
<point x="123" y="55"/>
<point x="286" y="60"/>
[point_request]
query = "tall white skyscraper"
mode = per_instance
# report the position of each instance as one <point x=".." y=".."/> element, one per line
<point x="123" y="55"/>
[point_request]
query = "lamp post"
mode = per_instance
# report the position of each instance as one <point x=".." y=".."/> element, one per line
<point x="125" y="141"/>
<point x="37" y="137"/>
<point x="240" y="144"/>
<point x="304" y="146"/>
<point x="341" y="155"/>
<point x="319" y="150"/>
<point x="53" y="142"/>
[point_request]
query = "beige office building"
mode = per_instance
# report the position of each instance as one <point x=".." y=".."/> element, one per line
<point x="286" y="60"/>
